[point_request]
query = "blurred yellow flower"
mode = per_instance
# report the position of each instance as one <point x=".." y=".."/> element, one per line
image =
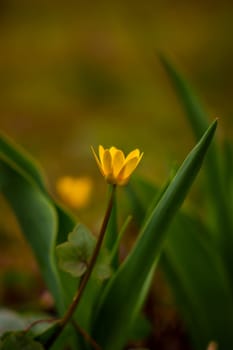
<point x="74" y="191"/>
<point x="114" y="166"/>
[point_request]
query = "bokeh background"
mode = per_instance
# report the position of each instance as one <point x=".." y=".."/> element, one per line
<point x="75" y="74"/>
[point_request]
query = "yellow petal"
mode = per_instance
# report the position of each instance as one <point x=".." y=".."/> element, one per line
<point x="117" y="162"/>
<point x="97" y="161"/>
<point x="133" y="154"/>
<point x="107" y="163"/>
<point x="128" y="168"/>
<point x="113" y="150"/>
<point x="101" y="153"/>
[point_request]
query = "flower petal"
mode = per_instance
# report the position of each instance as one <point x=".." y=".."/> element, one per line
<point x="134" y="154"/>
<point x="101" y="154"/>
<point x="128" y="168"/>
<point x="97" y="161"/>
<point x="107" y="162"/>
<point x="117" y="162"/>
<point x="113" y="150"/>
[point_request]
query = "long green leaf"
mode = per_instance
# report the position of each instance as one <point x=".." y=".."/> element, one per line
<point x="23" y="160"/>
<point x="199" y="282"/>
<point x="216" y="184"/>
<point x="196" y="274"/>
<point x="27" y="167"/>
<point x="37" y="218"/>
<point x="116" y="309"/>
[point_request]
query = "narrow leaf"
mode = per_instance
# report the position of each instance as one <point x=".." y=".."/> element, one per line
<point x="215" y="182"/>
<point x="37" y="218"/>
<point x="200" y="282"/>
<point x="23" y="160"/>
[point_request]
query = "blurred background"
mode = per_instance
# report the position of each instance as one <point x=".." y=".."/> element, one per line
<point x="75" y="74"/>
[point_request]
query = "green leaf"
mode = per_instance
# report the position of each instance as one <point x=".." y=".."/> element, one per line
<point x="10" y="321"/>
<point x="199" y="281"/>
<point x="117" y="306"/>
<point x="24" y="188"/>
<point x="141" y="329"/>
<point x="112" y="229"/>
<point x="115" y="249"/>
<point x="102" y="271"/>
<point x="74" y="255"/>
<point x="19" y="341"/>
<point x="192" y="106"/>
<point x="45" y="335"/>
<point x="38" y="220"/>
<point x="23" y="160"/>
<point x="65" y="340"/>
<point x="221" y="216"/>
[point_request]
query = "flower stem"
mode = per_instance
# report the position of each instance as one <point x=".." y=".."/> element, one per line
<point x="86" y="336"/>
<point x="71" y="309"/>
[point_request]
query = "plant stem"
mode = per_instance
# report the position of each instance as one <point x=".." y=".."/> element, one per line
<point x="71" y="309"/>
<point x="86" y="336"/>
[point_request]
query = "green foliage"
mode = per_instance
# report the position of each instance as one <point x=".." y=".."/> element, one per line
<point x="74" y="255"/>
<point x="19" y="341"/>
<point x="41" y="219"/>
<point x="125" y="288"/>
<point x="37" y="218"/>
<point x="110" y="307"/>
<point x="217" y="196"/>
<point x="11" y="321"/>
<point x="197" y="273"/>
<point x="198" y="256"/>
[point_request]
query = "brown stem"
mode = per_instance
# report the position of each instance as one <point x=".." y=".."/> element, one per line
<point x="35" y="323"/>
<point x="86" y="336"/>
<point x="70" y="311"/>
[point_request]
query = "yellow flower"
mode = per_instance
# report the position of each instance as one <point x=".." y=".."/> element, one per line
<point x="74" y="191"/>
<point x="114" y="166"/>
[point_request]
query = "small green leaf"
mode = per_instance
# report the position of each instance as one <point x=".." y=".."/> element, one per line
<point x="103" y="271"/>
<point x="74" y="255"/>
<point x="84" y="240"/>
<point x="10" y="321"/>
<point x="19" y="341"/>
